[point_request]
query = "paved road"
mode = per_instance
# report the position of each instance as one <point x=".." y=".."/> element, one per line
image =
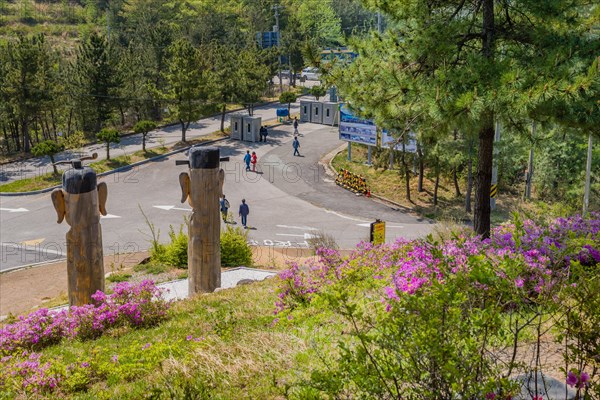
<point x="287" y="207"/>
<point x="130" y="144"/>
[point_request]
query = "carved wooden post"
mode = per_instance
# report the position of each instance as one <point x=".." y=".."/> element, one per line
<point x="80" y="202"/>
<point x="202" y="188"/>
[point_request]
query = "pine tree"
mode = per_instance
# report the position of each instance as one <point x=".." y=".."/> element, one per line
<point x="462" y="65"/>
<point x="95" y="79"/>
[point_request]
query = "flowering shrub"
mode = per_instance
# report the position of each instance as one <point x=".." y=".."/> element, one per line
<point x="454" y="314"/>
<point x="137" y="306"/>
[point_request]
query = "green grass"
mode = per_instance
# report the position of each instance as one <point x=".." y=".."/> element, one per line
<point x="31" y="184"/>
<point x="118" y="277"/>
<point x="391" y="185"/>
<point x="220" y="346"/>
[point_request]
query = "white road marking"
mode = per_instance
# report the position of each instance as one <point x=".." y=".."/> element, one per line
<point x="109" y="216"/>
<point x="345" y="216"/>
<point x="13" y="210"/>
<point x="387" y="226"/>
<point x="305" y="236"/>
<point x="168" y="208"/>
<point x="302" y="228"/>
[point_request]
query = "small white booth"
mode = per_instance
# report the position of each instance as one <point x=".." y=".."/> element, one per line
<point x="305" y="110"/>
<point x="251" y="128"/>
<point x="316" y="113"/>
<point x="236" y="126"/>
<point x="330" y="113"/>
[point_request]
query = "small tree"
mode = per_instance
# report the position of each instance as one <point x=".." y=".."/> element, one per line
<point x="144" y="127"/>
<point x="287" y="98"/>
<point x="108" y="136"/>
<point x="48" y="148"/>
<point x="318" y="91"/>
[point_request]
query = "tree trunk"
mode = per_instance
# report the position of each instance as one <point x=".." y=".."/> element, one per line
<point x="421" y="168"/>
<point x="122" y="114"/>
<point x="69" y="122"/>
<point x="456" y="187"/>
<point x="108" y="150"/>
<point x="183" y="129"/>
<point x="483" y="178"/>
<point x="223" y="110"/>
<point x="53" y="165"/>
<point x="406" y="171"/>
<point x="469" y="180"/>
<point x="26" y="139"/>
<point x="437" y="183"/>
<point x="144" y="141"/>
<point x="481" y="220"/>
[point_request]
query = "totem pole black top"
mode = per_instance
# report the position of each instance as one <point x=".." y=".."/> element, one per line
<point x="204" y="157"/>
<point x="79" y="180"/>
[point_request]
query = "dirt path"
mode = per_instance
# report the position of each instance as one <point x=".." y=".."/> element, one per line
<point x="27" y="289"/>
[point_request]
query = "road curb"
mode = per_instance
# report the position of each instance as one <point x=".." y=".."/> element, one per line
<point x="126" y="167"/>
<point x="117" y="170"/>
<point x="331" y="169"/>
<point x="158" y="127"/>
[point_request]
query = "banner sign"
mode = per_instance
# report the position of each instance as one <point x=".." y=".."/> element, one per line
<point x="377" y="232"/>
<point x="355" y="129"/>
<point x="388" y="140"/>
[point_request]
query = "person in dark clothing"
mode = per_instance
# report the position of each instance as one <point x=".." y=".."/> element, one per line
<point x="296" y="145"/>
<point x="244" y="211"/>
<point x="263" y="134"/>
<point x="295" y="125"/>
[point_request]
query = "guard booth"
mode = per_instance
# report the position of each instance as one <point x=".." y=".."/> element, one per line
<point x="316" y="113"/>
<point x="330" y="113"/>
<point x="236" y="126"/>
<point x="251" y="128"/>
<point x="305" y="110"/>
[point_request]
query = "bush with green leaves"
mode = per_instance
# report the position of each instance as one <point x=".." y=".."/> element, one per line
<point x="48" y="148"/>
<point x="108" y="136"/>
<point x="456" y="318"/>
<point x="287" y="98"/>
<point x="235" y="250"/>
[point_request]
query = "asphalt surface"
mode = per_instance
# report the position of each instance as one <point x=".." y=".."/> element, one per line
<point x="291" y="199"/>
<point x="129" y="144"/>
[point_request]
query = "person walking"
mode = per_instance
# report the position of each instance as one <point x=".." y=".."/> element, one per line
<point x="224" y="208"/>
<point x="296" y="145"/>
<point x="247" y="158"/>
<point x="253" y="159"/>
<point x="295" y="125"/>
<point x="244" y="211"/>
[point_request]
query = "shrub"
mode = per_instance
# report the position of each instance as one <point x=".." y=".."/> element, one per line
<point x="137" y="306"/>
<point x="176" y="252"/>
<point x="235" y="250"/>
<point x="456" y="316"/>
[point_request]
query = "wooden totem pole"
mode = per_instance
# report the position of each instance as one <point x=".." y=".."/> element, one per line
<point x="80" y="202"/>
<point x="202" y="187"/>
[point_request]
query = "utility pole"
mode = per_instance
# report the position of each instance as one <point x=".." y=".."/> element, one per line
<point x="588" y="173"/>
<point x="276" y="8"/>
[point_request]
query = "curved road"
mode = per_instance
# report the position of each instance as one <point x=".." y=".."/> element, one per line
<point x="290" y="200"/>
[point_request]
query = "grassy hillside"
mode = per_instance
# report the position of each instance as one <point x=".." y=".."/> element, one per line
<point x="62" y="21"/>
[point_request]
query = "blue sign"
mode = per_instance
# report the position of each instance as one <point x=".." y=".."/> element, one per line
<point x="356" y="129"/>
<point x="267" y="39"/>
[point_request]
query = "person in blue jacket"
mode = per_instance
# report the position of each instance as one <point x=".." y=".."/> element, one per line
<point x="244" y="211"/>
<point x="247" y="158"/>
